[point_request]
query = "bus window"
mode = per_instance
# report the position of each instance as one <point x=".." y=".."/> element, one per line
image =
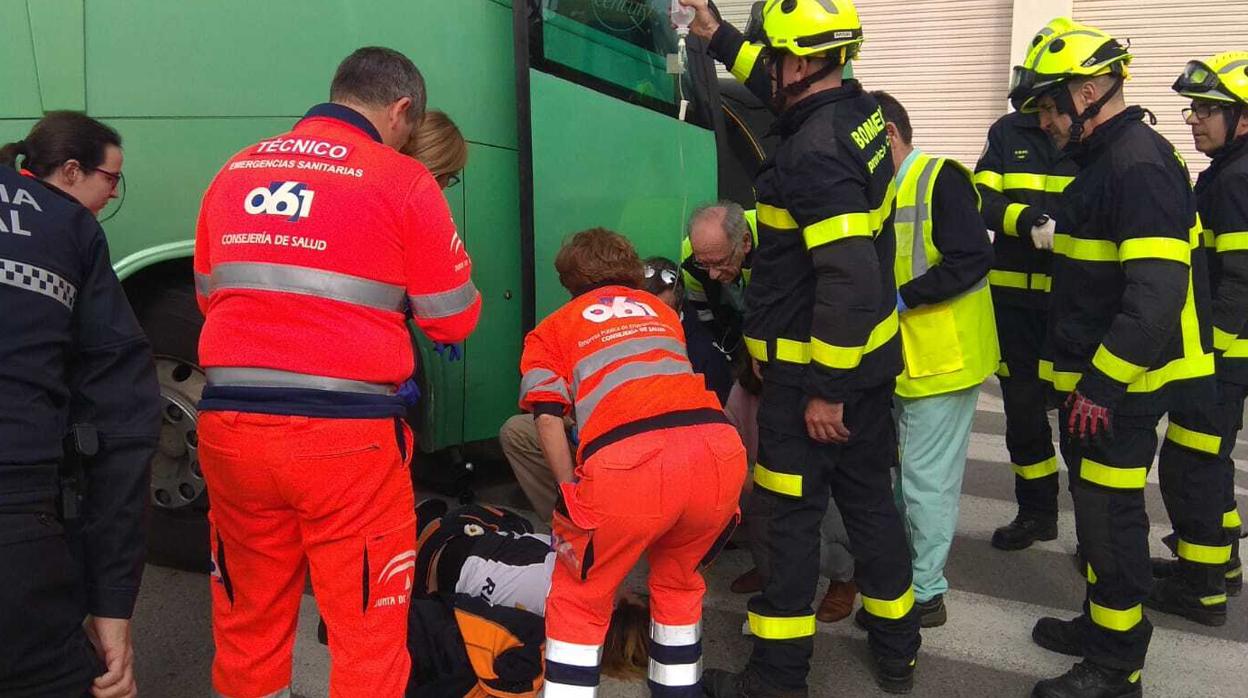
<point x="619" y="47"/>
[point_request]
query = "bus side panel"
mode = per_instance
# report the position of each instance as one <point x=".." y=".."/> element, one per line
<point x="245" y="58"/>
<point x="19" y="83"/>
<point x="582" y="141"/>
<point x="492" y="235"/>
<point x="169" y="164"/>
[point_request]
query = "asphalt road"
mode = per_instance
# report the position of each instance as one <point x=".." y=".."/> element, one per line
<point x="984" y="649"/>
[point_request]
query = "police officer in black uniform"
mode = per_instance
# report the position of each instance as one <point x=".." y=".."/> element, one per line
<point x="1020" y="177"/>
<point x="73" y="361"/>
<point x="821" y="318"/>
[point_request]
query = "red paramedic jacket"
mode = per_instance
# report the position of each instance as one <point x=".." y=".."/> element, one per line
<point x="311" y="248"/>
<point x="616" y="356"/>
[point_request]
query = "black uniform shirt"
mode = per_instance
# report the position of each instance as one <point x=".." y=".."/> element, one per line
<point x="71" y="352"/>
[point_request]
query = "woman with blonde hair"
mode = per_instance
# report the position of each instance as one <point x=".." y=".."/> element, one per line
<point x="440" y="146"/>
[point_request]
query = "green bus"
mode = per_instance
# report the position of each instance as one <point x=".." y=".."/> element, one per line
<point x="569" y="107"/>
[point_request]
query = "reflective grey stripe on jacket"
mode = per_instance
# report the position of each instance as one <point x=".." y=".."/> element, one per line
<point x="203" y="284"/>
<point x="238" y="377"/>
<point x="445" y="304"/>
<point x="286" y="278"/>
<point x="281" y="693"/>
<point x="602" y="358"/>
<point x="639" y="369"/>
<point x="544" y="379"/>
<point x="918" y="215"/>
<point x="38" y="280"/>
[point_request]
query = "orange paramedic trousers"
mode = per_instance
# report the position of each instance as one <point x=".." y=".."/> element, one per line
<point x="288" y="492"/>
<point x="669" y="493"/>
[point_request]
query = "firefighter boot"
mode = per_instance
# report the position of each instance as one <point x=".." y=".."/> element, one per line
<point x="894" y="675"/>
<point x="1088" y="680"/>
<point x="718" y="683"/>
<point x="1061" y="636"/>
<point x="1196" y="592"/>
<point x="1025" y="529"/>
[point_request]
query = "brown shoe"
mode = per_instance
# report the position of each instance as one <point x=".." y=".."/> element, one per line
<point x="838" y="603"/>
<point x="749" y="583"/>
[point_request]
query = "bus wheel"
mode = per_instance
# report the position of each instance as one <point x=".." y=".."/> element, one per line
<point x="177" y="533"/>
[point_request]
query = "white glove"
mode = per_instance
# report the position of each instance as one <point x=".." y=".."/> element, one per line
<point x="1042" y="235"/>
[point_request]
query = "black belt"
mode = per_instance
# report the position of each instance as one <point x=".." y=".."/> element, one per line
<point x="668" y="420"/>
<point x="28" y="484"/>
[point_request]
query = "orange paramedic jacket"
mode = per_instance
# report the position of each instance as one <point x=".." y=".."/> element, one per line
<point x="616" y="356"/>
<point x="311" y="248"/>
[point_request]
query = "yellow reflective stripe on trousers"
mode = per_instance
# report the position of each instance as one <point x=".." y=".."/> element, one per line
<point x="1052" y="184"/>
<point x="1232" y="242"/>
<point x="991" y="180"/>
<point x="1204" y="554"/>
<point x="1035" y="471"/>
<point x="780" y="483"/>
<point x="777" y="218"/>
<point x="1003" y="370"/>
<point x="1231" y="519"/>
<point x="757" y="348"/>
<point x="1134" y="677"/>
<point x="1195" y="440"/>
<point x="1113" y="619"/>
<point x="837" y="228"/>
<point x="743" y="64"/>
<point x="771" y="628"/>
<point x="1091" y="574"/>
<point x="1084" y="249"/>
<point x="891" y="610"/>
<point x="1222" y="340"/>
<point x="833" y="356"/>
<point x="1172" y="249"/>
<point x="1116" y="367"/>
<point x="1009" y="219"/>
<point x="1113" y="478"/>
<point x="1213" y="600"/>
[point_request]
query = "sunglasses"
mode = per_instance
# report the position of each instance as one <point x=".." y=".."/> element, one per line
<point x="448" y="181"/>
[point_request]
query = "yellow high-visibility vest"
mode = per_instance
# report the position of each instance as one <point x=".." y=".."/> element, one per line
<point x="951" y="345"/>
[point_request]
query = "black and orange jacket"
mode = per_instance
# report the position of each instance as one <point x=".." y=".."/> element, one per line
<point x="465" y="638"/>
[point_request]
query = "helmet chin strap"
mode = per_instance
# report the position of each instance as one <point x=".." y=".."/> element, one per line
<point x="786" y="92"/>
<point x="1065" y="102"/>
<point x="1233" y="116"/>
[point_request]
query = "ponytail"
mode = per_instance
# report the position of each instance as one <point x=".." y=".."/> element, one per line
<point x="9" y="153"/>
<point x="58" y="137"/>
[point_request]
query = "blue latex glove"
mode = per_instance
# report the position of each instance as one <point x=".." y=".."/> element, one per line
<point x="450" y="352"/>
<point x="409" y="392"/>
<point x="901" y="304"/>
<point x="575" y="436"/>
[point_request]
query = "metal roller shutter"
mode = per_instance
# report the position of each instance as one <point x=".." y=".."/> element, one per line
<point x="1164" y="35"/>
<point x="945" y="60"/>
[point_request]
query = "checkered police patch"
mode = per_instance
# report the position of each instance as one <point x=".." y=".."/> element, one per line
<point x="31" y="278"/>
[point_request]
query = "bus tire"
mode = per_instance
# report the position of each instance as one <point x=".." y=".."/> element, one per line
<point x="177" y="532"/>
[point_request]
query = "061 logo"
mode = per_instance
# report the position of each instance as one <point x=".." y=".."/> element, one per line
<point x="617" y="307"/>
<point x="291" y="200"/>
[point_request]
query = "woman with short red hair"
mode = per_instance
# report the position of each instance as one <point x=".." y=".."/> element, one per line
<point x="658" y="469"/>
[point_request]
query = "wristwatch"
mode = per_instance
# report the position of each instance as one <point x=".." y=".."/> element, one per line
<point x="1044" y="218"/>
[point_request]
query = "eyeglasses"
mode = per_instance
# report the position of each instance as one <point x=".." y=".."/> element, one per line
<point x="448" y="181"/>
<point x="115" y="178"/>
<point x="1203" y="110"/>
<point x="667" y="276"/>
